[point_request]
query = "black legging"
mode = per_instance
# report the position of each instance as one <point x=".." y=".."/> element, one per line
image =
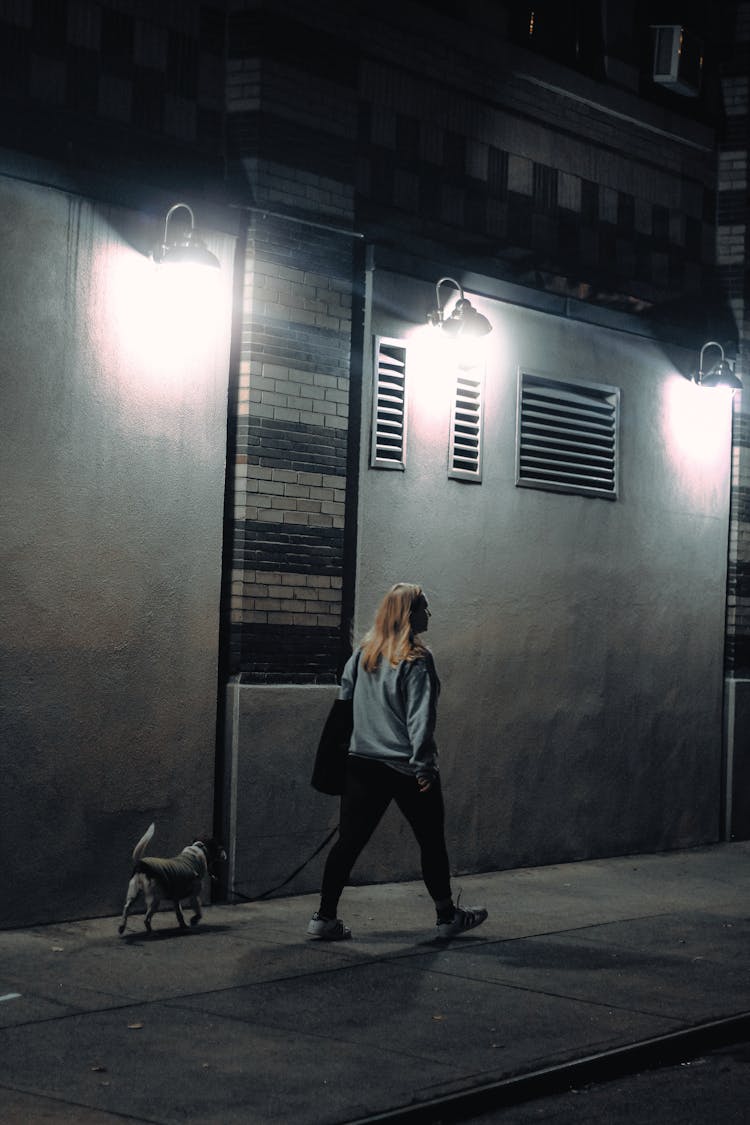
<point x="370" y="788"/>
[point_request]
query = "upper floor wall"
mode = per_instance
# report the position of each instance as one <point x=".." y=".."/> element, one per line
<point x="575" y="175"/>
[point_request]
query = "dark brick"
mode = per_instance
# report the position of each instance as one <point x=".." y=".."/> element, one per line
<point x="288" y="654"/>
<point x="290" y="548"/>
<point x="315" y="150"/>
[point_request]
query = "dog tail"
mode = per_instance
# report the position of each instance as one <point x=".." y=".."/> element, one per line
<point x="143" y="843"/>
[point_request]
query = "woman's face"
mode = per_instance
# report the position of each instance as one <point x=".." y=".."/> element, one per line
<point x="420" y="615"/>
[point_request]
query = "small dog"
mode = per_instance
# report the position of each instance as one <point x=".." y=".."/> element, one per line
<point x="176" y="879"/>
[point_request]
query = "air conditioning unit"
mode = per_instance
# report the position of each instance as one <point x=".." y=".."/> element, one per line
<point x="677" y="59"/>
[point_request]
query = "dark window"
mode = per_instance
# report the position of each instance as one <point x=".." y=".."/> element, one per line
<point x="660" y="222"/>
<point x="82" y="80"/>
<point x="407" y="136"/>
<point x="364" y="122"/>
<point x="454" y="149"/>
<point x="182" y="65"/>
<point x="430" y="196"/>
<point x="497" y="172"/>
<point x="693" y="236"/>
<point x="50" y="26"/>
<point x="211" y="33"/>
<point x="381" y="175"/>
<point x="14" y="60"/>
<point x="589" y="201"/>
<point x="118" y="33"/>
<point x="209" y="125"/>
<point x="569" y="31"/>
<point x="568" y="233"/>
<point x="625" y="211"/>
<point x="148" y="100"/>
<point x="476" y="209"/>
<point x="545" y="186"/>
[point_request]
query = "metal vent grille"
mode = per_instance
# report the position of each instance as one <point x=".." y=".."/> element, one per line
<point x="388" y="448"/>
<point x="465" y="456"/>
<point x="567" y="436"/>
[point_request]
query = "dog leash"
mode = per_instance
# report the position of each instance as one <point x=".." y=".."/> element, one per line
<point x="272" y="890"/>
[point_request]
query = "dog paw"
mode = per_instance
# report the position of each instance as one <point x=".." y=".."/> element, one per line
<point x="121" y="928"/>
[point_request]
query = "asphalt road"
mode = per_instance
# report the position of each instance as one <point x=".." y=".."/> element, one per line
<point x="712" y="1088"/>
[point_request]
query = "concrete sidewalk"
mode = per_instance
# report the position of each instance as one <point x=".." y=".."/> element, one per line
<point x="246" y="1020"/>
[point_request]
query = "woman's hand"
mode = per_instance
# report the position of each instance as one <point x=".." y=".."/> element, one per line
<point x="424" y="784"/>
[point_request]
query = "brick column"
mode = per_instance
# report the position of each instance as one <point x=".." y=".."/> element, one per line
<point x="291" y="453"/>
<point x="291" y="131"/>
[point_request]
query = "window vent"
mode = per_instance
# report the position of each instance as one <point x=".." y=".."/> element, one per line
<point x="465" y="456"/>
<point x="389" y="405"/>
<point x="567" y="436"/>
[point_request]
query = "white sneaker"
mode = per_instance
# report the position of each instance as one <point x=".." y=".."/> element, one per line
<point x="328" y="929"/>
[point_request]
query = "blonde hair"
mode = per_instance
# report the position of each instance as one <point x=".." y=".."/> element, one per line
<point x="391" y="634"/>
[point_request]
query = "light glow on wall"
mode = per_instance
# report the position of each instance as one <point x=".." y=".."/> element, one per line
<point x="433" y="359"/>
<point x="698" y="421"/>
<point x="442" y="354"/>
<point x="162" y="319"/>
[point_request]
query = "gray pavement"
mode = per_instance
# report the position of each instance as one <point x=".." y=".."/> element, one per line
<point x="246" y="1020"/>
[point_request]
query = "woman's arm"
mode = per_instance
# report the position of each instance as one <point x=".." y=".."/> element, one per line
<point x="349" y="676"/>
<point x="420" y="684"/>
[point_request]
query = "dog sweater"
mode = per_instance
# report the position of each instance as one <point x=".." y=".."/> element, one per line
<point x="177" y="876"/>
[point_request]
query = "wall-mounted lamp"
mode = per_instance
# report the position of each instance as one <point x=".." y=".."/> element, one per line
<point x="464" y="320"/>
<point x="187" y="248"/>
<point x="721" y="374"/>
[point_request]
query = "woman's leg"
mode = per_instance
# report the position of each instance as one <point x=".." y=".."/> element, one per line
<point x="367" y="796"/>
<point x="426" y="815"/>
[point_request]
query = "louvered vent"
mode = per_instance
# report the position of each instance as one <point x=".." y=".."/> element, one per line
<point x="567" y="436"/>
<point x="465" y="457"/>
<point x="389" y="405"/>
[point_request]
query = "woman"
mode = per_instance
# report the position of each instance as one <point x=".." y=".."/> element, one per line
<point x="392" y="757"/>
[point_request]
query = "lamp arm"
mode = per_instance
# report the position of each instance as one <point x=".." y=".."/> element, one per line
<point x="709" y="344"/>
<point x="442" y="281"/>
<point x="171" y="211"/>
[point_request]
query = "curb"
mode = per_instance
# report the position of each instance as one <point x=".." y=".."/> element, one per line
<point x="647" y="1054"/>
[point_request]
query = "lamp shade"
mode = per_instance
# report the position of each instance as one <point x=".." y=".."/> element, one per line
<point x="464" y="320"/>
<point x="188" y="251"/>
<point x="721" y="375"/>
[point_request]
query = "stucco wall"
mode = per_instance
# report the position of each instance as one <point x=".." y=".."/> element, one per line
<point x="274" y="819"/>
<point x="114" y="435"/>
<point x="579" y="641"/>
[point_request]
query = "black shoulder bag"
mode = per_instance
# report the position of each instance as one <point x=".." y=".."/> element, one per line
<point x="329" y="769"/>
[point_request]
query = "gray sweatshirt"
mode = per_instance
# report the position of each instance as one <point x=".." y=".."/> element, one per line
<point x="395" y="710"/>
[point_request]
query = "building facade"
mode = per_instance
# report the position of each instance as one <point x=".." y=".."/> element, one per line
<point x="527" y="152"/>
<point x="569" y="497"/>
